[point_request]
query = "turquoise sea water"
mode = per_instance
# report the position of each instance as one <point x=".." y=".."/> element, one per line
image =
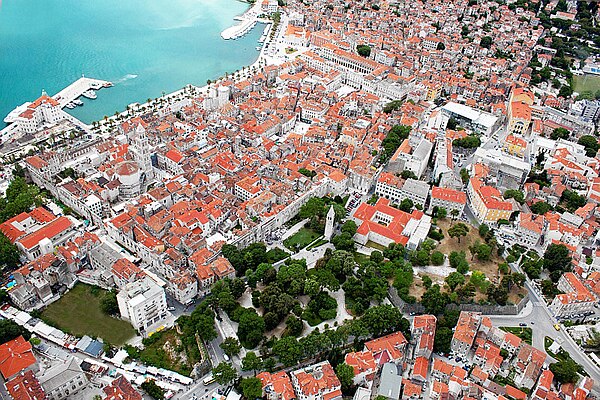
<point x="144" y="47"/>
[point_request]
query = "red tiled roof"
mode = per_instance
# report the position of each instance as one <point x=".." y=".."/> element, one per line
<point x="121" y="389"/>
<point x="49" y="231"/>
<point x="390" y="344"/>
<point x="25" y="387"/>
<point x="279" y="383"/>
<point x="448" y="195"/>
<point x="15" y="356"/>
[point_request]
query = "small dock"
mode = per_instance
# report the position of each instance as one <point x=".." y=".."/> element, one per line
<point x="77" y="88"/>
<point x="238" y="31"/>
<point x="247" y="21"/>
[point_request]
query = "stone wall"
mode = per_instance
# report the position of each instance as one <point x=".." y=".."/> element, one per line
<point x="485" y="309"/>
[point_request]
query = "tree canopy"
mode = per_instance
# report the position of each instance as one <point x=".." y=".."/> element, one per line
<point x="224" y="373"/>
<point x="251" y="388"/>
<point x="468" y="142"/>
<point x="540" y="208"/>
<point x="565" y="371"/>
<point x="590" y="143"/>
<point x="396" y="135"/>
<point x="486" y="42"/>
<point x="231" y="346"/>
<point x="10" y="330"/>
<point x="515" y="194"/>
<point x="153" y="390"/>
<point x="345" y="374"/>
<point x="457" y="230"/>
<point x="557" y="259"/>
<point x="363" y="50"/>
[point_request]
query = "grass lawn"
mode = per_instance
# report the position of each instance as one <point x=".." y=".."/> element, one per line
<point x="375" y="246"/>
<point x="316" y="244"/>
<point x="361" y="258"/>
<point x="524" y="333"/>
<point x="78" y="313"/>
<point x="562" y="355"/>
<point x="586" y="83"/>
<point x="547" y="343"/>
<point x="300" y="239"/>
<point x="167" y="350"/>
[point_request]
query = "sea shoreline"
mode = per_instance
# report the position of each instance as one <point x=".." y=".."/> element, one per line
<point x="156" y="77"/>
<point x="101" y="124"/>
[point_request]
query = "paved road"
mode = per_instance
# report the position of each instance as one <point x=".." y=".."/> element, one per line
<point x="535" y="317"/>
<point x="542" y="323"/>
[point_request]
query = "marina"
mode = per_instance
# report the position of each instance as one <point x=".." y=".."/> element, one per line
<point x="81" y="87"/>
<point x="68" y="97"/>
<point x="247" y="21"/>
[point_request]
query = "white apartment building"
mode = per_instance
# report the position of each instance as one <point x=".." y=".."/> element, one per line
<point x="389" y="187"/>
<point x="416" y="191"/>
<point x="143" y="303"/>
<point x="448" y="199"/>
<point x="575" y="302"/>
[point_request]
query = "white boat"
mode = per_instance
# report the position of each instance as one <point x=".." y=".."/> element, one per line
<point x="90" y="94"/>
<point x="78" y="102"/>
<point x="70" y="106"/>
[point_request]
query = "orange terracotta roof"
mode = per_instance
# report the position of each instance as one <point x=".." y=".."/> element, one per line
<point x="25" y="386"/>
<point x="451" y="195"/>
<point x="15" y="356"/>
<point x="49" y="231"/>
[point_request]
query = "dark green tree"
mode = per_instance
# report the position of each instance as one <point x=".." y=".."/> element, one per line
<point x="251" y="362"/>
<point x="9" y="253"/>
<point x="455" y="279"/>
<point x="486" y="42"/>
<point x="443" y="339"/>
<point x="345" y="374"/>
<point x="560" y="133"/>
<point x="10" y="330"/>
<point x="458" y="230"/>
<point x="251" y="328"/>
<point x="294" y="326"/>
<point x="108" y="303"/>
<point x="540" y="208"/>
<point x="565" y="371"/>
<point x="231" y="346"/>
<point x="251" y="388"/>
<point x="153" y="390"/>
<point x="434" y="300"/>
<point x="590" y="143"/>
<point x="557" y="259"/>
<point x="437" y="258"/>
<point x="288" y="350"/>
<point x="224" y="373"/>
<point x="363" y="50"/>
<point x="380" y="320"/>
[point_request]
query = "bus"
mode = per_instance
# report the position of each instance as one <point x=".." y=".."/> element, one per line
<point x="208" y="380"/>
<point x="557" y="327"/>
